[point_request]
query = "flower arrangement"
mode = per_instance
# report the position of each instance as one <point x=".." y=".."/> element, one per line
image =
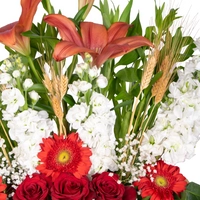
<point x="97" y="111"/>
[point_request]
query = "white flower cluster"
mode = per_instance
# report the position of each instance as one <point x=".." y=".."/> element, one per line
<point x="127" y="155"/>
<point x="28" y="128"/>
<point x="92" y="119"/>
<point x="12" y="75"/>
<point x="176" y="130"/>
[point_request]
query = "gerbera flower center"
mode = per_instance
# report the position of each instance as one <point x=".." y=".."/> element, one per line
<point x="63" y="157"/>
<point x="161" y="181"/>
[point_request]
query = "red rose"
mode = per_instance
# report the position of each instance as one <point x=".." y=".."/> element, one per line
<point x="130" y="193"/>
<point x="107" y="186"/>
<point x="67" y="186"/>
<point x="33" y="188"/>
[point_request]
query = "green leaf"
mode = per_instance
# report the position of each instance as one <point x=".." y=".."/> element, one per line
<point x="69" y="99"/>
<point x="136" y="29"/>
<point x="158" y="14"/>
<point x="79" y="16"/>
<point x="150" y="33"/>
<point x="123" y="104"/>
<point x="125" y="16"/>
<point x="169" y="19"/>
<point x="128" y="58"/>
<point x="38" y="88"/>
<point x="192" y="191"/>
<point x="127" y="74"/>
<point x="104" y="8"/>
<point x="123" y="95"/>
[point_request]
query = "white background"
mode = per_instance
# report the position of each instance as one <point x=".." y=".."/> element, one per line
<point x="10" y="11"/>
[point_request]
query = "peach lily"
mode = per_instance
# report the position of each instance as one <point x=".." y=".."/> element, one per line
<point x="94" y="39"/>
<point x="10" y="35"/>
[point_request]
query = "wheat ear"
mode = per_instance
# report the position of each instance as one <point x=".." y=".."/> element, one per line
<point x="149" y="69"/>
<point x="160" y="86"/>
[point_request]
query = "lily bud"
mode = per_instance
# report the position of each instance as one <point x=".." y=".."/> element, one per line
<point x="82" y="3"/>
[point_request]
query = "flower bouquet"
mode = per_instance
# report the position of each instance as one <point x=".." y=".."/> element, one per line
<point x="97" y="111"/>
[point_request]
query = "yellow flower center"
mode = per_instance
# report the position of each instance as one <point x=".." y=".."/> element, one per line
<point x="161" y="181"/>
<point x="63" y="157"/>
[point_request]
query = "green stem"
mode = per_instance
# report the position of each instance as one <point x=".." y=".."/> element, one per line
<point x="31" y="64"/>
<point x="25" y="107"/>
<point x="49" y="7"/>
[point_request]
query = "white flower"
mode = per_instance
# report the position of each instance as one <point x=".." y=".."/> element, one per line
<point x="197" y="42"/>
<point x="102" y="81"/>
<point x="77" y="114"/>
<point x="79" y="86"/>
<point x="34" y="96"/>
<point x="47" y="70"/>
<point x="16" y="73"/>
<point x="13" y="98"/>
<point x="2" y="141"/>
<point x="93" y="72"/>
<point x="100" y="104"/>
<point x="27" y="83"/>
<point x="83" y="86"/>
<point x="5" y="78"/>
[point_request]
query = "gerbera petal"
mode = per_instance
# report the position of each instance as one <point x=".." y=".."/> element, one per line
<point x="65" y="49"/>
<point x="160" y="183"/>
<point x="65" y="26"/>
<point x="3" y="196"/>
<point x="94" y="36"/>
<point x="64" y="155"/>
<point x="117" y="30"/>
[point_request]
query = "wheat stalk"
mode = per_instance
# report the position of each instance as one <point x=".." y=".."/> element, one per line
<point x="161" y="85"/>
<point x="63" y="85"/>
<point x="149" y="69"/>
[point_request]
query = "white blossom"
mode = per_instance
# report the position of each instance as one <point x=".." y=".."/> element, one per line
<point x="102" y="81"/>
<point x="5" y="78"/>
<point x="77" y="114"/>
<point x="27" y="83"/>
<point x="13" y="98"/>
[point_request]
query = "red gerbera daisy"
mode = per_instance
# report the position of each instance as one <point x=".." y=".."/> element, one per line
<point x="161" y="181"/>
<point x="2" y="188"/>
<point x="61" y="154"/>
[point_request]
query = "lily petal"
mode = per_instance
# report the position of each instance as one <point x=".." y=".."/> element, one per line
<point x="29" y="8"/>
<point x="94" y="36"/>
<point x="10" y="35"/>
<point x="65" y="49"/>
<point x="133" y="40"/>
<point x="65" y="27"/>
<point x="117" y="30"/>
<point x="7" y="34"/>
<point x="120" y="47"/>
<point x="108" y="52"/>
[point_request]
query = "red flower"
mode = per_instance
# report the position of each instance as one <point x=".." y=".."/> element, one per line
<point x="130" y="193"/>
<point x="161" y="181"/>
<point x="61" y="154"/>
<point x="10" y="35"/>
<point x="107" y="186"/>
<point x="32" y="188"/>
<point x="67" y="186"/>
<point x="3" y="186"/>
<point x="94" y="39"/>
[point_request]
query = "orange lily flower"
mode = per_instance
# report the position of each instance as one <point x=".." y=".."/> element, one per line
<point x="82" y="3"/>
<point x="94" y="39"/>
<point x="10" y="35"/>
